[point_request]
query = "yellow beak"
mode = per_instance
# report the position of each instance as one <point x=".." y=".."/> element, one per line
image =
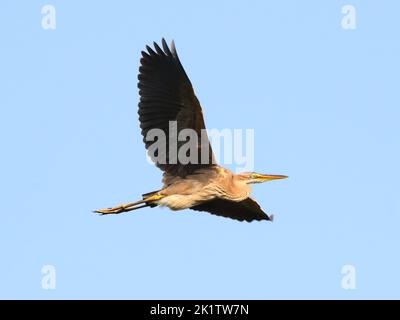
<point x="269" y="177"/>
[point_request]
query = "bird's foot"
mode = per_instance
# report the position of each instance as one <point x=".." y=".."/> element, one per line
<point x="122" y="208"/>
<point x="113" y="210"/>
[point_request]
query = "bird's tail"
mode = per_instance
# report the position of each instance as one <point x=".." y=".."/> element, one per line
<point x="144" y="195"/>
<point x="148" y="200"/>
<point x="149" y="194"/>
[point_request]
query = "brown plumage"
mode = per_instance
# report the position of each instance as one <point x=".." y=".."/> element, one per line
<point x="166" y="94"/>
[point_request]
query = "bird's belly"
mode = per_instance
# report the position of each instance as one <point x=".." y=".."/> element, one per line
<point x="178" y="201"/>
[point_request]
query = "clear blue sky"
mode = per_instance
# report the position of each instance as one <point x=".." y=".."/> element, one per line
<point x="324" y="104"/>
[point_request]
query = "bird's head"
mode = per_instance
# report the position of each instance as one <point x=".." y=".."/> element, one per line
<point x="254" y="177"/>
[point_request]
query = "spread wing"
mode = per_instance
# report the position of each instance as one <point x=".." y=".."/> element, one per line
<point x="247" y="209"/>
<point x="166" y="95"/>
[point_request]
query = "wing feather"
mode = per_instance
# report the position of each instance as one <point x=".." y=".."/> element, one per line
<point x="245" y="210"/>
<point x="166" y="94"/>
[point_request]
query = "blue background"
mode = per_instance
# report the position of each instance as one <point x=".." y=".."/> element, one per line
<point x="324" y="104"/>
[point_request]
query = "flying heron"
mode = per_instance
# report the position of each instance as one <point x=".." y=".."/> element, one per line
<point x="167" y="95"/>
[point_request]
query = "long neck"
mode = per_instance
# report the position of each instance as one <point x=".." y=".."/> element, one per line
<point x="237" y="188"/>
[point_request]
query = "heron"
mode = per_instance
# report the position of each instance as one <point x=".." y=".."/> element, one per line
<point x="167" y="95"/>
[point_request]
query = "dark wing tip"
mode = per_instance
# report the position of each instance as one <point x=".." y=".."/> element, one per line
<point x="165" y="51"/>
<point x="165" y="47"/>
<point x="158" y="49"/>
<point x="150" y="51"/>
<point x="145" y="54"/>
<point x="173" y="49"/>
<point x="264" y="218"/>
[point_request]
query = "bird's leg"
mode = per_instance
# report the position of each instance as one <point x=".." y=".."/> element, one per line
<point x="121" y="208"/>
<point x="130" y="206"/>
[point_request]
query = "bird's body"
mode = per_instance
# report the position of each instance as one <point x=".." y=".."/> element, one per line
<point x="167" y="97"/>
<point x="206" y="184"/>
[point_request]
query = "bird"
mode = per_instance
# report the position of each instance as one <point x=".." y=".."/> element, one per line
<point x="167" y="96"/>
